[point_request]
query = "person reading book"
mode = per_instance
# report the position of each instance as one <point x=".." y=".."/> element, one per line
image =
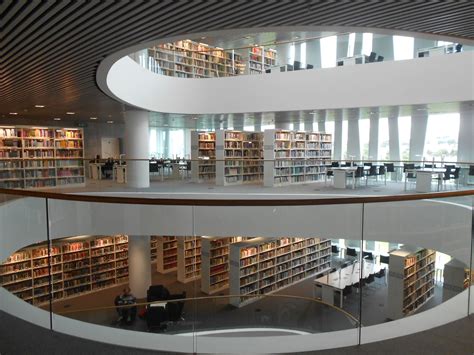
<point x="126" y="298"/>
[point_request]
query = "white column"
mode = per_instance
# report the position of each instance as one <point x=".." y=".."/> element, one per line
<point x="466" y="132"/>
<point x="322" y="120"/>
<point x="419" y="121"/>
<point x="136" y="147"/>
<point x="374" y="133"/>
<point x="338" y="134"/>
<point x="353" y="137"/>
<point x="139" y="267"/>
<point x="393" y="134"/>
<point x="358" y="44"/>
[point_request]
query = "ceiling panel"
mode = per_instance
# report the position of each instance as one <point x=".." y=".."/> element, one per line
<point x="50" y="50"/>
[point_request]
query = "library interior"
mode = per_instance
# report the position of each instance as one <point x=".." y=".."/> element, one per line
<point x="295" y="177"/>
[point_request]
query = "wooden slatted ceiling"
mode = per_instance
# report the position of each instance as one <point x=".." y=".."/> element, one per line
<point x="50" y="50"/>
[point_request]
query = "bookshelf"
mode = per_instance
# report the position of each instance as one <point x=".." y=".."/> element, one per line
<point x="38" y="157"/>
<point x="189" y="259"/>
<point x="293" y="157"/>
<point x="203" y="155"/>
<point x="265" y="265"/>
<point x="260" y="59"/>
<point x="215" y="263"/>
<point x="167" y="254"/>
<point x="190" y="59"/>
<point x="154" y="248"/>
<point x="411" y="280"/>
<point x="239" y="157"/>
<point x="78" y="266"/>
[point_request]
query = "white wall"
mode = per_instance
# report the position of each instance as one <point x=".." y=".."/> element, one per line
<point x="446" y="78"/>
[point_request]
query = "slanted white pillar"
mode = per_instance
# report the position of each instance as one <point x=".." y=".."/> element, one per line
<point x="338" y="134"/>
<point x="353" y="137"/>
<point x="374" y="134"/>
<point x="139" y="267"/>
<point x="393" y="134"/>
<point x="136" y="147"/>
<point x="466" y="132"/>
<point x="419" y="121"/>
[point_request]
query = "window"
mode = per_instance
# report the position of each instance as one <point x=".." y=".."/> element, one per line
<point x="364" y="135"/>
<point x="404" y="129"/>
<point x="345" y="132"/>
<point x="328" y="51"/>
<point x="250" y="128"/>
<point x="441" y="141"/>
<point x="383" y="149"/>
<point x="267" y="126"/>
<point x="403" y="47"/>
<point x="291" y="54"/>
<point x="330" y="128"/>
<point x="367" y="43"/>
<point x="303" y="55"/>
<point x="351" y="44"/>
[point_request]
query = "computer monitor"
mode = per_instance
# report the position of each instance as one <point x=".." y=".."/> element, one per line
<point x="384" y="259"/>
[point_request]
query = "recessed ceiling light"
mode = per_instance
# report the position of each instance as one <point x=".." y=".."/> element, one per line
<point x="57" y="119"/>
<point x="39" y="106"/>
<point x="93" y="118"/>
<point x="203" y="37"/>
<point x="13" y="113"/>
<point x="256" y="45"/>
<point x="70" y="113"/>
<point x="110" y="121"/>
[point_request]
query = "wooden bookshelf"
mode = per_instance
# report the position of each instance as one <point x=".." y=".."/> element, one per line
<point x="411" y="280"/>
<point x="167" y="254"/>
<point x="203" y="155"/>
<point x="456" y="278"/>
<point x="34" y="157"/>
<point x="190" y="59"/>
<point x="265" y="265"/>
<point x="295" y="157"/>
<point x="239" y="157"/>
<point x="215" y="263"/>
<point x="189" y="259"/>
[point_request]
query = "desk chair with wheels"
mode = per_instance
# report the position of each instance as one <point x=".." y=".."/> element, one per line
<point x="383" y="172"/>
<point x="390" y="168"/>
<point x="409" y="176"/>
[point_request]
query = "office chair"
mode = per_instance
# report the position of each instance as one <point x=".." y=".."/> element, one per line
<point x="367" y="164"/>
<point x="380" y="58"/>
<point x="296" y="65"/>
<point x="458" y="48"/>
<point x="372" y="57"/>
<point x="335" y="164"/>
<point x="455" y="176"/>
<point x="367" y="255"/>
<point x="470" y="173"/>
<point x="372" y="172"/>
<point x="428" y="166"/>
<point x="384" y="259"/>
<point x="408" y="176"/>
<point x="351" y="252"/>
<point x="359" y="173"/>
<point x="334" y="249"/>
<point x="382" y="172"/>
<point x="340" y="63"/>
<point x="309" y="66"/>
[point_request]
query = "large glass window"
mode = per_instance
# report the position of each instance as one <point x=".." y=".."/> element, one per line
<point x="384" y="147"/>
<point x="403" y="47"/>
<point x="345" y="132"/>
<point x="303" y="54"/>
<point x="441" y="141"/>
<point x="351" y="45"/>
<point x="364" y="136"/>
<point x="367" y="40"/>
<point x="329" y="128"/>
<point x="328" y="51"/>
<point x="404" y="129"/>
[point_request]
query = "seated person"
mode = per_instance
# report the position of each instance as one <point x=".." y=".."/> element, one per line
<point x="127" y="314"/>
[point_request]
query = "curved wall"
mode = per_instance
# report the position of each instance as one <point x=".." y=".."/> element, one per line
<point x="446" y="78"/>
<point x="439" y="225"/>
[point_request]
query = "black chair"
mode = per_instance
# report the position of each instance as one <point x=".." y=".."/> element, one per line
<point x="446" y="176"/>
<point x="334" y="249"/>
<point x="428" y="166"/>
<point x="370" y="279"/>
<point x="371" y="173"/>
<point x="455" y="175"/>
<point x="367" y="164"/>
<point x="340" y="63"/>
<point x="367" y="255"/>
<point x="156" y="317"/>
<point x="380" y="274"/>
<point x="351" y="252"/>
<point x="382" y="172"/>
<point x="174" y="310"/>
<point x="470" y="173"/>
<point x="384" y="259"/>
<point x="359" y="173"/>
<point x="296" y="65"/>
<point x="372" y="57"/>
<point x="347" y="290"/>
<point x="458" y="48"/>
<point x="380" y="58"/>
<point x="335" y="164"/>
<point x="309" y="66"/>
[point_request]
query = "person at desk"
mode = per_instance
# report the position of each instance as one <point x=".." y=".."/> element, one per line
<point x="107" y="168"/>
<point x="96" y="160"/>
<point x="126" y="314"/>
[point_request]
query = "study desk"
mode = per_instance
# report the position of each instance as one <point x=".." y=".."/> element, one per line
<point x="336" y="281"/>
<point x="95" y="170"/>
<point x="424" y="178"/>
<point x="340" y="176"/>
<point x="119" y="173"/>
